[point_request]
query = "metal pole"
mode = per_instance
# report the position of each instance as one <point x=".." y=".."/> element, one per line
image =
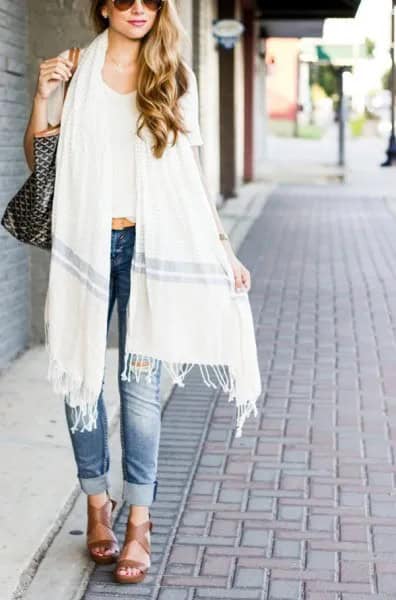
<point x="392" y="52"/>
<point x="298" y="67"/>
<point x="341" y="118"/>
<point x="391" y="152"/>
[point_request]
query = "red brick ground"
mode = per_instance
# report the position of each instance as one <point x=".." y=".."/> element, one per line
<point x="302" y="507"/>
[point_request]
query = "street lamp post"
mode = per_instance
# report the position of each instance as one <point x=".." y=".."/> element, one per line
<point x="391" y="152"/>
<point x="341" y="117"/>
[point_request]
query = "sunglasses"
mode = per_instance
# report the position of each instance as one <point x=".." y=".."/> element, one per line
<point x="126" y="4"/>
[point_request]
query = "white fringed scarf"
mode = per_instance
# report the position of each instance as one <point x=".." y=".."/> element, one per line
<point x="183" y="308"/>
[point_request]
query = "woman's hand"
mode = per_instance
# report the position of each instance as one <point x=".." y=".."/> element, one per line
<point x="241" y="273"/>
<point x="52" y="72"/>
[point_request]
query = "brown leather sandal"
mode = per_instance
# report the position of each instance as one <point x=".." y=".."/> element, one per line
<point x="100" y="533"/>
<point x="134" y="532"/>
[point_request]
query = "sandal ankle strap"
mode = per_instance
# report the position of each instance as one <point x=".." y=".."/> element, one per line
<point x="137" y="533"/>
<point x="99" y="520"/>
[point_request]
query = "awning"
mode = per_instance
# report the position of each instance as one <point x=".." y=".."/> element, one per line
<point x="306" y="9"/>
<point x="292" y="28"/>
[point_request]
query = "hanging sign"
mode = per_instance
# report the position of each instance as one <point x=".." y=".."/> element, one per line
<point x="227" y="32"/>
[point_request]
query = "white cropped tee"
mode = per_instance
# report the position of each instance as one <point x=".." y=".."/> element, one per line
<point x="123" y="114"/>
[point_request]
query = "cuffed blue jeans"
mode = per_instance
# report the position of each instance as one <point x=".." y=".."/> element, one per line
<point x="140" y="410"/>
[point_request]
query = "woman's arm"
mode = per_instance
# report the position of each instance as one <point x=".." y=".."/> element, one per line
<point x="52" y="72"/>
<point x="241" y="273"/>
<point x="37" y="122"/>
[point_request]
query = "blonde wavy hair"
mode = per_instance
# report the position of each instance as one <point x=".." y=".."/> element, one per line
<point x="163" y="76"/>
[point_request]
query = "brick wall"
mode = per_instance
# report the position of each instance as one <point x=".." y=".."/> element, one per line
<point x="14" y="256"/>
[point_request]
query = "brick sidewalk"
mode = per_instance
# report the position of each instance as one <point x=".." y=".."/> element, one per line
<point x="302" y="507"/>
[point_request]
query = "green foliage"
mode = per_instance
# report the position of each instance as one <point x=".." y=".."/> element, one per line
<point x="286" y="128"/>
<point x="326" y="77"/>
<point x="370" y="47"/>
<point x="387" y="80"/>
<point x="356" y="125"/>
<point x="370" y="116"/>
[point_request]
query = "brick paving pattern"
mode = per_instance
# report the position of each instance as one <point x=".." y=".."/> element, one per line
<point x="303" y="506"/>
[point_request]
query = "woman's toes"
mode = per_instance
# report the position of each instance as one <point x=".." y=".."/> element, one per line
<point x="129" y="571"/>
<point x="102" y="551"/>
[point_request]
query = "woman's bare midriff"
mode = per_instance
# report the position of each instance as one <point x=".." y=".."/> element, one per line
<point x="121" y="222"/>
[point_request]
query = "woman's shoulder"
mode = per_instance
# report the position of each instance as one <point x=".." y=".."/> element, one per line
<point x="189" y="70"/>
<point x="192" y="84"/>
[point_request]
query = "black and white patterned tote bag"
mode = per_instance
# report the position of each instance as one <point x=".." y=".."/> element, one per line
<point x="28" y="214"/>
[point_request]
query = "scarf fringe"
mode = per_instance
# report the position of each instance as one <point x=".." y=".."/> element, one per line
<point x="177" y="370"/>
<point x="82" y="400"/>
<point x="84" y="403"/>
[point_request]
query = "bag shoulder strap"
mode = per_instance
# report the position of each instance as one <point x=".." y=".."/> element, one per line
<point x="74" y="55"/>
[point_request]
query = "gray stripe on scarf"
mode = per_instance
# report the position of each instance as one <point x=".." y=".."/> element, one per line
<point x="178" y="266"/>
<point x="80" y="276"/>
<point x="81" y="265"/>
<point x="179" y="277"/>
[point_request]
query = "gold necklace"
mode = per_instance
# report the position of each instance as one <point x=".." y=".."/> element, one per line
<point x="119" y="66"/>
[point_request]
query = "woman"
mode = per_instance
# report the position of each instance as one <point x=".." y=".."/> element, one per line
<point x="142" y="74"/>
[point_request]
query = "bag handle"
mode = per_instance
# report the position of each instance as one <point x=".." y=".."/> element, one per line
<point x="74" y="54"/>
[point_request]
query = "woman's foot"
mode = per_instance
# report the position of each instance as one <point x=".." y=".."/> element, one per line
<point x="97" y="501"/>
<point x="133" y="550"/>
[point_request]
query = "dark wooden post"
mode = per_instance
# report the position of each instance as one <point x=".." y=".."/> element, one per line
<point x="249" y="49"/>
<point x="226" y="10"/>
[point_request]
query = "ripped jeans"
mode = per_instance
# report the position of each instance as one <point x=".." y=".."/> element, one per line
<point x="140" y="405"/>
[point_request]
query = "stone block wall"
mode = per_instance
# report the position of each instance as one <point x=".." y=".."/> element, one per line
<point x="15" y="317"/>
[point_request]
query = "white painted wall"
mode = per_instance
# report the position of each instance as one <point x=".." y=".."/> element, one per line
<point x="209" y="98"/>
<point x="260" y="118"/>
<point x="185" y="10"/>
<point x="208" y="87"/>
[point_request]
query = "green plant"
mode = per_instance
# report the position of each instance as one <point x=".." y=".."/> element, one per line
<point x="326" y="77"/>
<point x="370" y="47"/>
<point x="285" y="128"/>
<point x="356" y="125"/>
<point x="387" y="80"/>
